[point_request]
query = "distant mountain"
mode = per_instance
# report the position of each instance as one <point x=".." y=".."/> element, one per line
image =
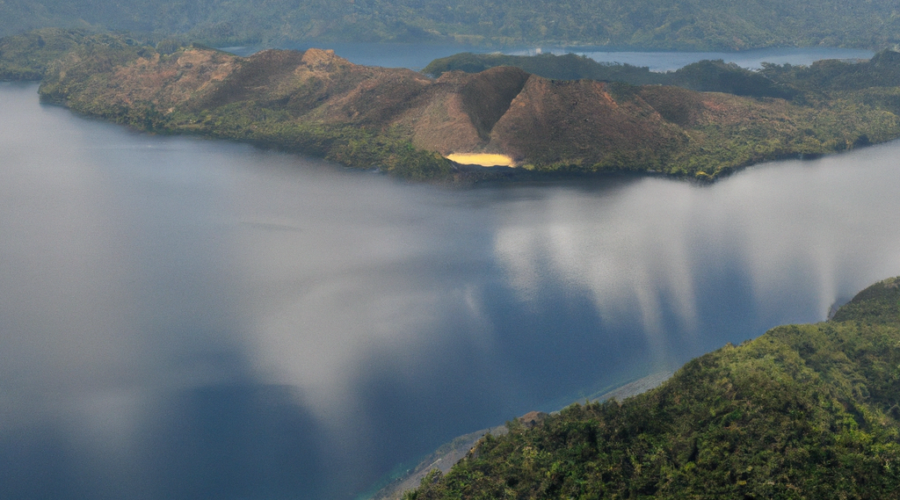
<point x="676" y="24"/>
<point x="804" y="411"/>
<point x="703" y="76"/>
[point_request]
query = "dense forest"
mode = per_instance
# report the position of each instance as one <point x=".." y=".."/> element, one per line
<point x="805" y="411"/>
<point x="679" y="24"/>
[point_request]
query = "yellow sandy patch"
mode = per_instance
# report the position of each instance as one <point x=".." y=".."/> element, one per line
<point x="485" y="160"/>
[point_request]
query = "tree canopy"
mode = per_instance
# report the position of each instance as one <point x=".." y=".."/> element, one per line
<point x="679" y="24"/>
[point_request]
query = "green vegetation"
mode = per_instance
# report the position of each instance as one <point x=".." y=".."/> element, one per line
<point x="807" y="411"/>
<point x="27" y="56"/>
<point x="680" y="24"/>
<point x="718" y="76"/>
<point x="883" y="70"/>
<point x="356" y="147"/>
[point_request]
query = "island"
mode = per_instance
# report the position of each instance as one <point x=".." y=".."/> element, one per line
<point x="414" y="126"/>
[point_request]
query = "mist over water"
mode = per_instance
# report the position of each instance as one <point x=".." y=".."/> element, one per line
<point x="182" y="318"/>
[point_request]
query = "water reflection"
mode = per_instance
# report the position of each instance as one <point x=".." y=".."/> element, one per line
<point x="192" y="319"/>
<point x="796" y="232"/>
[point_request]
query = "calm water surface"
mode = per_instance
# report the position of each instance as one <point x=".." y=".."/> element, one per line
<point x="417" y="56"/>
<point x="182" y="318"/>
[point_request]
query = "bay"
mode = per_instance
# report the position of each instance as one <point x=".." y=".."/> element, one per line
<point x="183" y="318"/>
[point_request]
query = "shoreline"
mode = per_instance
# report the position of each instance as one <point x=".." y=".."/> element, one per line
<point x="448" y="454"/>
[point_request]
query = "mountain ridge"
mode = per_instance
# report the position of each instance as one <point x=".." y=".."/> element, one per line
<point x="406" y="123"/>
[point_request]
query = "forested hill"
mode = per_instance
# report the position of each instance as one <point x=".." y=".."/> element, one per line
<point x="676" y="24"/>
<point x="805" y="411"/>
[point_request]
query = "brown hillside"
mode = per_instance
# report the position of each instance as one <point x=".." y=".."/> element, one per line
<point x="486" y="97"/>
<point x="317" y="102"/>
<point x="162" y="81"/>
<point x="442" y="124"/>
<point x="579" y="123"/>
<point x="267" y="73"/>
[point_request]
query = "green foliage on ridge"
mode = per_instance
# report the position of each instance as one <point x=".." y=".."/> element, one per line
<point x="883" y="70"/>
<point x="804" y="411"/>
<point x="681" y="24"/>
<point x="26" y="57"/>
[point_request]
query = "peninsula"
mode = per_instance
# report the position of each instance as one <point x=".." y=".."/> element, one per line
<point x="408" y="124"/>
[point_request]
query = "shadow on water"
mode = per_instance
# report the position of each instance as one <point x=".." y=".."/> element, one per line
<point x="235" y="441"/>
<point x="223" y="442"/>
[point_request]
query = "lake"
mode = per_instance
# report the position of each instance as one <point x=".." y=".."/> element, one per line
<point x="186" y="318"/>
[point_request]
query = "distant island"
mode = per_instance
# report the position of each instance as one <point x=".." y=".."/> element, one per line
<point x="411" y="125"/>
<point x="804" y="411"/>
<point x="642" y="24"/>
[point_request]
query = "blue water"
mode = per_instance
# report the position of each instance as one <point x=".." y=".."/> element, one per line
<point x="185" y="318"/>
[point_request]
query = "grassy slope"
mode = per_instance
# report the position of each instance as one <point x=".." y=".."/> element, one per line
<point x="805" y="411"/>
<point x="680" y="24"/>
<point x="402" y="122"/>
